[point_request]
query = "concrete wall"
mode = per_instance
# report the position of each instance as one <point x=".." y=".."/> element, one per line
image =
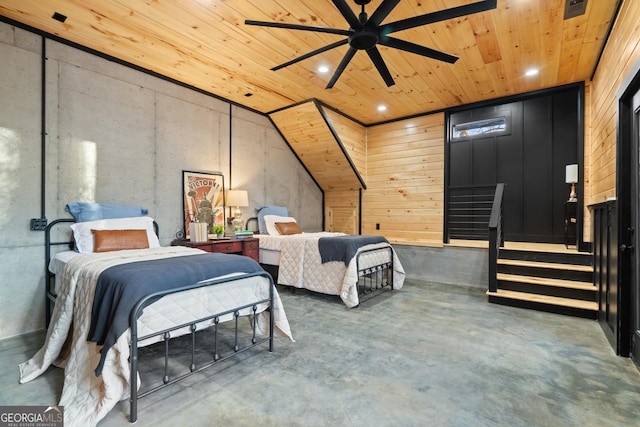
<point x="448" y="264"/>
<point x="117" y="135"/>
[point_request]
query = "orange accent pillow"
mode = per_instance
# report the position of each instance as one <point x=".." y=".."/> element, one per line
<point x="286" y="228"/>
<point x="117" y="240"/>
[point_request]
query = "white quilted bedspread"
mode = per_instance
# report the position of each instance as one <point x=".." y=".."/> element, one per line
<point x="87" y="398"/>
<point x="301" y="266"/>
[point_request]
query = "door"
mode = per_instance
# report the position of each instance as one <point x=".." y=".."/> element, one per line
<point x="627" y="187"/>
<point x="634" y="235"/>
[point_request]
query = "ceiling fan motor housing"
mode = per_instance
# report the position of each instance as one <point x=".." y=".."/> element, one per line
<point x="363" y="39"/>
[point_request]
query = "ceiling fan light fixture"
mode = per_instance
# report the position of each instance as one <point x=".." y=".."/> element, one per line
<point x="322" y="69"/>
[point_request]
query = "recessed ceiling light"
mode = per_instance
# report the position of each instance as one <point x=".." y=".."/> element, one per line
<point x="382" y="108"/>
<point x="531" y="72"/>
<point x="323" y="69"/>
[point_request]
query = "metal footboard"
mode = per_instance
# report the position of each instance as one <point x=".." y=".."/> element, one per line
<point x="374" y="277"/>
<point x="192" y="325"/>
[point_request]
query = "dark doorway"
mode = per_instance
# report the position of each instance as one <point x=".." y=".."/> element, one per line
<point x="525" y="143"/>
<point x="628" y="185"/>
<point x="635" y="225"/>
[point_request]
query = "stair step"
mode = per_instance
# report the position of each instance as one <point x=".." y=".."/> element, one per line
<point x="564" y="288"/>
<point x="579" y="273"/>
<point x="542" y="281"/>
<point x="548" y="278"/>
<point x="548" y="255"/>
<point x="591" y="306"/>
<point x="552" y="265"/>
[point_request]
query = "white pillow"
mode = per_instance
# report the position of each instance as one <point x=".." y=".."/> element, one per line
<point x="270" y="223"/>
<point x="84" y="237"/>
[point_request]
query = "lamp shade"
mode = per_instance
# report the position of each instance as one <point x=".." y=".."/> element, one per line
<point x="571" y="174"/>
<point x="237" y="198"/>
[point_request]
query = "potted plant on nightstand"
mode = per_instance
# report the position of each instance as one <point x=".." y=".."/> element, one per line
<point x="219" y="231"/>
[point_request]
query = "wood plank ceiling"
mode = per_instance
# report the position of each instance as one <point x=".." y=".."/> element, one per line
<point x="205" y="44"/>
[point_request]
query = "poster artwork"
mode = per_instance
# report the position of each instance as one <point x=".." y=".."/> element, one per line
<point x="203" y="199"/>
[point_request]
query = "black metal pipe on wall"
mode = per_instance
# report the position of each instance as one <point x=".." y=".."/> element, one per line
<point x="230" y="148"/>
<point x="43" y="130"/>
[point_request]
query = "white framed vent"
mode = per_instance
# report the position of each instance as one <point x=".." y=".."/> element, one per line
<point x="573" y="8"/>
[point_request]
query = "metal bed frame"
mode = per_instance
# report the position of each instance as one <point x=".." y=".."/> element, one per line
<point x="371" y="280"/>
<point x="166" y="333"/>
<point x="374" y="278"/>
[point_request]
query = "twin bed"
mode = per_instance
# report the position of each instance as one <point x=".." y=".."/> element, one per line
<point x="348" y="266"/>
<point x="97" y="326"/>
<point x="99" y="323"/>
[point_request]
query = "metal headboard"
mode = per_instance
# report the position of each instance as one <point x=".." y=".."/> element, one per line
<point x="49" y="286"/>
<point x="246" y="225"/>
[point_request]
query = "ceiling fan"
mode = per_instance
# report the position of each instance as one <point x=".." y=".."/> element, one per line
<point x="365" y="33"/>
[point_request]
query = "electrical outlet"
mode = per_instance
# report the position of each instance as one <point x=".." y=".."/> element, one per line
<point x="377" y="226"/>
<point x="38" y="224"/>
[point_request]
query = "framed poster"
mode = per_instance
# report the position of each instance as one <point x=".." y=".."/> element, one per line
<point x="203" y="199"/>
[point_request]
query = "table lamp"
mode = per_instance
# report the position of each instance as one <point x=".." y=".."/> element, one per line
<point x="237" y="198"/>
<point x="572" y="178"/>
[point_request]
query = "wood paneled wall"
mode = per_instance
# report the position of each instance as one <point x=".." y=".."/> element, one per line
<point x="352" y="137"/>
<point x="586" y="165"/>
<point x="621" y="52"/>
<point x="341" y="211"/>
<point x="405" y="184"/>
<point x="305" y="128"/>
<point x="401" y="165"/>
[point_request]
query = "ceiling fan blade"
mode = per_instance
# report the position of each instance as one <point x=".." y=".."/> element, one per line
<point x="343" y="64"/>
<point x="347" y="13"/>
<point x="382" y="11"/>
<point x="441" y="15"/>
<point x="417" y="49"/>
<point x="377" y="60"/>
<point x="310" y="54"/>
<point x="299" y="27"/>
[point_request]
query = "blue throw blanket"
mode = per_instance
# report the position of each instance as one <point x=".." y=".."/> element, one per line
<point x="343" y="248"/>
<point x="121" y="287"/>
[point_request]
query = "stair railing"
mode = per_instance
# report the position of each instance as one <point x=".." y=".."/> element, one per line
<point x="468" y="212"/>
<point x="496" y="236"/>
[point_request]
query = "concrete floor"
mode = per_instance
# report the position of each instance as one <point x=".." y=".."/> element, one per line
<point x="429" y="354"/>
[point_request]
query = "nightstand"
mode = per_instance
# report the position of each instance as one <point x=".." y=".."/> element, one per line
<point x="570" y="222"/>
<point x="248" y="246"/>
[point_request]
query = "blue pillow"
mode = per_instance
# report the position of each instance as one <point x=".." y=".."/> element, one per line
<point x="269" y="210"/>
<point x="85" y="211"/>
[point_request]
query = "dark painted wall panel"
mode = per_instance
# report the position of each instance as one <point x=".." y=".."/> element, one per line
<point x="460" y="161"/>
<point x="530" y="159"/>
<point x="509" y="171"/>
<point x="537" y="146"/>
<point x="484" y="157"/>
<point x="565" y="152"/>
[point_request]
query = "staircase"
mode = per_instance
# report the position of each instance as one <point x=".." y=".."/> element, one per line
<point x="546" y="278"/>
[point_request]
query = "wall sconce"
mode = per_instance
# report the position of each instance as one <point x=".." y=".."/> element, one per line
<point x="237" y="198"/>
<point x="572" y="178"/>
